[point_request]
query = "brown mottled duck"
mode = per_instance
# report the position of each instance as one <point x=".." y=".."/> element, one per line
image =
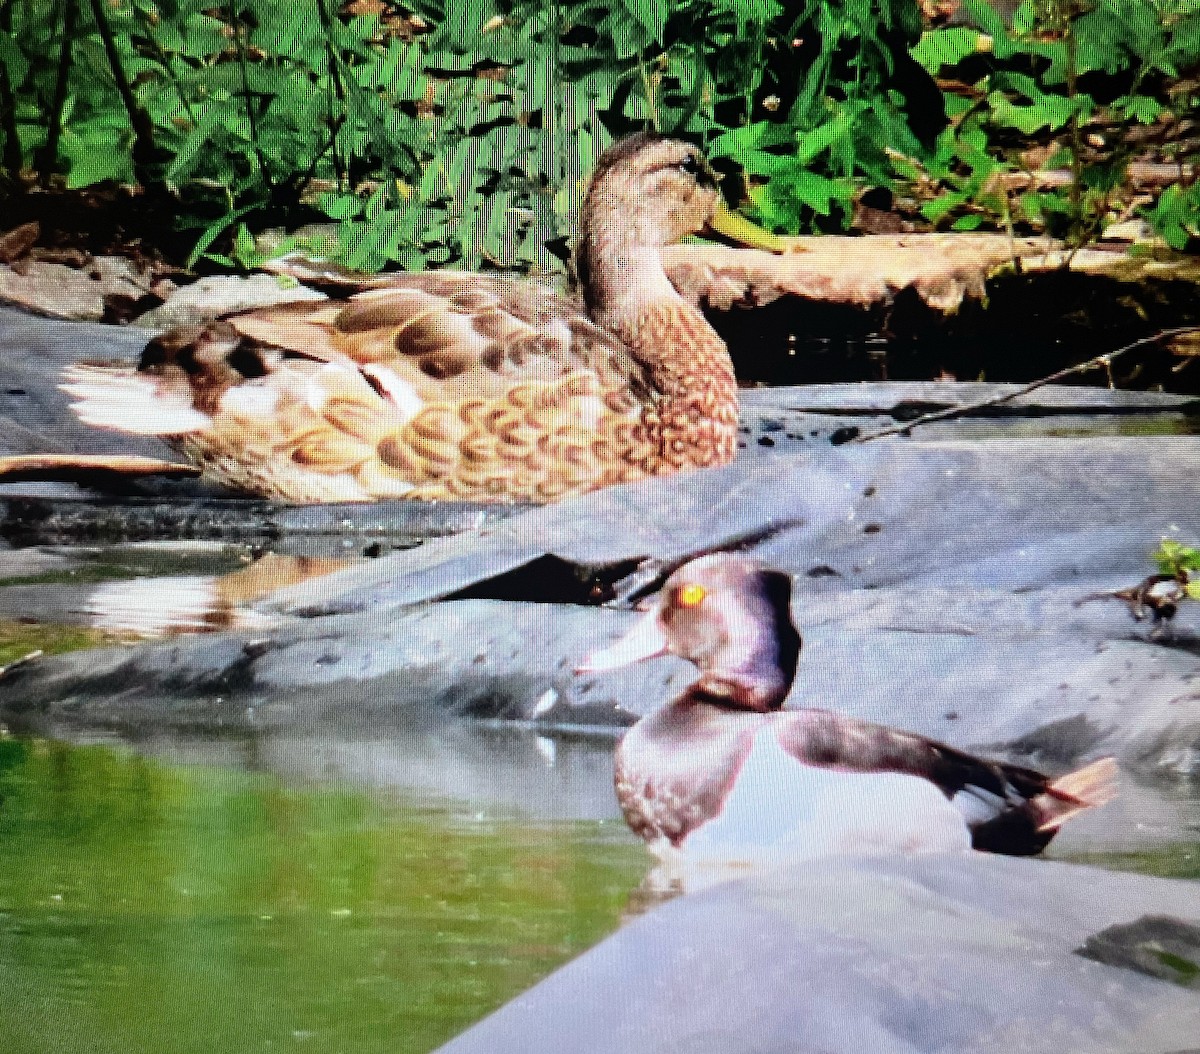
<point x="456" y="385"/>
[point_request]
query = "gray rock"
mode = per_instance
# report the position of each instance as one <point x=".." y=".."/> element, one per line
<point x="969" y="953"/>
<point x="68" y="292"/>
<point x="34" y="414"/>
<point x="208" y="298"/>
<point x="1156" y="945"/>
<point x="955" y="589"/>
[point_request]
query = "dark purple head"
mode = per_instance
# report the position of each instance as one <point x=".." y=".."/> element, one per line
<point x="731" y="617"/>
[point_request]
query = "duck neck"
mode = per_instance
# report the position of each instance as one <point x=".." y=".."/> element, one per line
<point x="687" y="364"/>
<point x="740" y="690"/>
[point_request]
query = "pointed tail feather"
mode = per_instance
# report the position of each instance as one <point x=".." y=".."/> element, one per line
<point x="122" y="398"/>
<point x="1085" y="788"/>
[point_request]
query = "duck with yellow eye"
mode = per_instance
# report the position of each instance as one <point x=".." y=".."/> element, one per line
<point x="723" y="776"/>
<point x="456" y="385"/>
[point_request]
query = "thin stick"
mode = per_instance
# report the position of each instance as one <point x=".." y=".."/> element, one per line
<point x="1100" y="361"/>
<point x="248" y="97"/>
<point x="11" y="158"/>
<point x="139" y="120"/>
<point x="49" y="153"/>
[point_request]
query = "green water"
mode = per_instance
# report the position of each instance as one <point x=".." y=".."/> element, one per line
<point x="154" y="908"/>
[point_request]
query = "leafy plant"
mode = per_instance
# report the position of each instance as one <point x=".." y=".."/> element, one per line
<point x="459" y="131"/>
<point x="1089" y="81"/>
<point x="1182" y="562"/>
<point x="445" y="132"/>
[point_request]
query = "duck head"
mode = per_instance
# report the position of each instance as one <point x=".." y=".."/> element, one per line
<point x="731" y="617"/>
<point x="648" y="191"/>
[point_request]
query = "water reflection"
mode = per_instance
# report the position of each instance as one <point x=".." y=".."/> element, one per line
<point x="171" y="604"/>
<point x="168" y="908"/>
<point x="149" y="589"/>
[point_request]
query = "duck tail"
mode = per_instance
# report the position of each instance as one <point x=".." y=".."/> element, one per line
<point x="1085" y="788"/>
<point x="120" y="397"/>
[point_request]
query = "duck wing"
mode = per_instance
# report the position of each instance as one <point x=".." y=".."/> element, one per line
<point x="434" y="385"/>
<point x="1008" y="808"/>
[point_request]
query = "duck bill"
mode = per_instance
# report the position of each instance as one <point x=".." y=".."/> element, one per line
<point x="735" y="227"/>
<point x="643" y="641"/>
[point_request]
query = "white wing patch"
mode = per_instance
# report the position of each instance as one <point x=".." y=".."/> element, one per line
<point x="783" y="810"/>
<point x="251" y="399"/>
<point x="152" y="607"/>
<point x="977" y="805"/>
<point x="589" y="411"/>
<point x="397" y="389"/>
<point x="155" y="607"/>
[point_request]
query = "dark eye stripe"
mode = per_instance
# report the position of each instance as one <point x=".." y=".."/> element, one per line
<point x="691" y="164"/>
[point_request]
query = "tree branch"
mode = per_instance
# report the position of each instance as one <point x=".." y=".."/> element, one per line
<point x="1100" y="361"/>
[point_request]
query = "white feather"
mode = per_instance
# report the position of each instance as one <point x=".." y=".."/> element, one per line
<point x="781" y="809"/>
<point x="152" y="607"/>
<point x="155" y="607"/>
<point x="120" y="398"/>
<point x="251" y="400"/>
<point x="398" y="390"/>
<point x="589" y="411"/>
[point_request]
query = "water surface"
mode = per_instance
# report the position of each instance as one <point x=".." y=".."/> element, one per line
<point x="164" y="908"/>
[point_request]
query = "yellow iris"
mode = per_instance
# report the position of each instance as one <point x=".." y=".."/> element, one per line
<point x="691" y="594"/>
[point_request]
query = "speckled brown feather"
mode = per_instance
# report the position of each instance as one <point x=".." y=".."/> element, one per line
<point x="449" y="385"/>
<point x="674" y="769"/>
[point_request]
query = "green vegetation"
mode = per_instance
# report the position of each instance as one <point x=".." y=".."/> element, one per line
<point x="1172" y="860"/>
<point x="457" y="131"/>
<point x="1181" y="562"/>
<point x="1091" y="82"/>
<point x="18" y="639"/>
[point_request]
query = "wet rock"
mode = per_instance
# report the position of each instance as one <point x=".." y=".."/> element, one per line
<point x="967" y="953"/>
<point x="35" y="417"/>
<point x="59" y="519"/>
<point x="1156" y="945"/>
<point x="961" y="590"/>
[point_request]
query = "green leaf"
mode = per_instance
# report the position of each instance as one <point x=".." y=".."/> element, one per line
<point x="1176" y="215"/>
<point x="1142" y="108"/>
<point x="945" y="47"/>
<point x="341" y="206"/>
<point x="214" y="231"/>
<point x="96" y="154"/>
<point x="986" y="17"/>
<point x="13" y="60"/>
<point x="943" y="205"/>
<point x="629" y="37"/>
<point x="651" y="15"/>
<point x="1174" y="558"/>
<point x="245" y="251"/>
<point x="817" y="192"/>
<point x="1050" y="111"/>
<point x="197" y="140"/>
